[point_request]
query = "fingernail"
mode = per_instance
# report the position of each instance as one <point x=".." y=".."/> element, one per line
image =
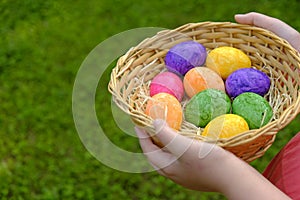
<point x="140" y="132"/>
<point x="238" y="15"/>
<point x="158" y="124"/>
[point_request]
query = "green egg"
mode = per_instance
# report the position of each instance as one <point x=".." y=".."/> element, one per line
<point x="205" y="106"/>
<point x="255" y="109"/>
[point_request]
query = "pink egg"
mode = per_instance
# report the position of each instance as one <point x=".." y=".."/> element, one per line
<point x="167" y="82"/>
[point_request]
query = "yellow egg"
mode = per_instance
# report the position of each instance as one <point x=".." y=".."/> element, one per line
<point x="225" y="60"/>
<point x="225" y="126"/>
<point x="165" y="106"/>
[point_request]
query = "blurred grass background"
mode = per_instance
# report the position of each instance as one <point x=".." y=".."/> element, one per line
<point x="42" y="45"/>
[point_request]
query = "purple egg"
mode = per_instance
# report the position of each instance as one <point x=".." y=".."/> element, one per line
<point x="185" y="56"/>
<point x="247" y="80"/>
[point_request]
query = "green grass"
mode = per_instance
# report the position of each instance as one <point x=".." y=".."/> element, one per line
<point x="42" y="46"/>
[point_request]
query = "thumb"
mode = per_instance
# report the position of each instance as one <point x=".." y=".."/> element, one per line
<point x="164" y="133"/>
<point x="174" y="142"/>
<point x="159" y="124"/>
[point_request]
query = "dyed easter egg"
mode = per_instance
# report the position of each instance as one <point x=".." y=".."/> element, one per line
<point x="185" y="56"/>
<point x="167" y="107"/>
<point x="205" y="106"/>
<point x="167" y="82"/>
<point x="225" y="126"/>
<point x="201" y="78"/>
<point x="247" y="80"/>
<point x="255" y="109"/>
<point x="225" y="60"/>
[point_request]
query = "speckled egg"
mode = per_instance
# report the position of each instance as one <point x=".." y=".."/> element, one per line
<point x="255" y="109"/>
<point x="167" y="82"/>
<point x="184" y="56"/>
<point x="165" y="106"/>
<point x="225" y="60"/>
<point x="201" y="78"/>
<point x="247" y="80"/>
<point x="225" y="126"/>
<point x="205" y="106"/>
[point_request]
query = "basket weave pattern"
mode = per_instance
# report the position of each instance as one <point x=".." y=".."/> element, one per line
<point x="131" y="77"/>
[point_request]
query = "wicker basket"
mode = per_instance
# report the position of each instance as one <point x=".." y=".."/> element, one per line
<point x="131" y="77"/>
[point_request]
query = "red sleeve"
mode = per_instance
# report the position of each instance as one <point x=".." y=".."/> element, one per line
<point x="284" y="169"/>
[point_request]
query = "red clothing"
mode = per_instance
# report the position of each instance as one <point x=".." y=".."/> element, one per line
<point x="284" y="169"/>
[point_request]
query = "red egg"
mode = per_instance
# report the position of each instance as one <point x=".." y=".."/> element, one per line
<point x="167" y="82"/>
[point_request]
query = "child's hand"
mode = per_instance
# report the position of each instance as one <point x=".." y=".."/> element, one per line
<point x="272" y="24"/>
<point x="190" y="163"/>
<point x="204" y="166"/>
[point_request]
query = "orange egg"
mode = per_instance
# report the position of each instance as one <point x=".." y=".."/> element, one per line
<point x="225" y="126"/>
<point x="167" y="107"/>
<point x="201" y="78"/>
<point x="225" y="60"/>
